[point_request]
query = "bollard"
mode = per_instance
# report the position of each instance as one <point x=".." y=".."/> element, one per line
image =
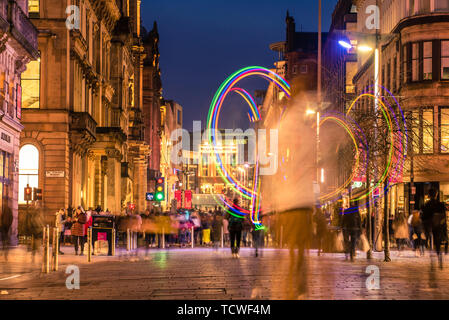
<point x="46" y="253"/>
<point x="113" y="242"/>
<point x="55" y="248"/>
<point x="128" y="244"/>
<point x="89" y="244"/>
<point x="163" y="238"/>
<point x="222" y="237"/>
<point x="193" y="238"/>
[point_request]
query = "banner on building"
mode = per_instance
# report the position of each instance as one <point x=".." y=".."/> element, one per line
<point x="178" y="197"/>
<point x="188" y="199"/>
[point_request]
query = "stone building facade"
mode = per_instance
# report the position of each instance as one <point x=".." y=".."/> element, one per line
<point x="413" y="41"/>
<point x="18" y="46"/>
<point x="83" y="106"/>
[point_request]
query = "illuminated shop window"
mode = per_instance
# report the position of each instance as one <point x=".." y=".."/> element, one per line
<point x="28" y="169"/>
<point x="31" y="85"/>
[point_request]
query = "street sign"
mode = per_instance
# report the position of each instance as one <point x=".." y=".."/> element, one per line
<point x="37" y="194"/>
<point x="28" y="194"/>
<point x="149" y="196"/>
<point x="412" y="202"/>
<point x="178" y="197"/>
<point x="55" y="174"/>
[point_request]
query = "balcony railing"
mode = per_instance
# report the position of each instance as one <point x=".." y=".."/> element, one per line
<point x="22" y="29"/>
<point x="82" y="121"/>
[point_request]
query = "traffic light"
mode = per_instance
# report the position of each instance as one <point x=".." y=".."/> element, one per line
<point x="28" y="194"/>
<point x="37" y="194"/>
<point x="159" y="195"/>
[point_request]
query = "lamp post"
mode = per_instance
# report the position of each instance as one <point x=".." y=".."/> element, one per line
<point x="362" y="48"/>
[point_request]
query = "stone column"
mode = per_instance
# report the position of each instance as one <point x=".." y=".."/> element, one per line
<point x="114" y="180"/>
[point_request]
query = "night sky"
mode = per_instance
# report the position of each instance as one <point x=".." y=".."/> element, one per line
<point x="202" y="42"/>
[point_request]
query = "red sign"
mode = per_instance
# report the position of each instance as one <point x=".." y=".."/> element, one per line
<point x="188" y="199"/>
<point x="102" y="236"/>
<point x="178" y="197"/>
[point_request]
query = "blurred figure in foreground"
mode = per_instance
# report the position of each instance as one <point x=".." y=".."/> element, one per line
<point x="415" y="223"/>
<point x="400" y="228"/>
<point x="435" y="212"/>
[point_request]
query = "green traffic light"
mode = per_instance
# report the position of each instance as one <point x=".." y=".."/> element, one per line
<point x="159" y="196"/>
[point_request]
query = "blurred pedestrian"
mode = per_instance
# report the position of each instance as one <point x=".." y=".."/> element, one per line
<point x="351" y="225"/>
<point x="59" y="223"/>
<point x="435" y="211"/>
<point x="235" y="231"/>
<point x="415" y="222"/>
<point x="79" y="219"/>
<point x="401" y="232"/>
<point x="216" y="229"/>
<point x="320" y="229"/>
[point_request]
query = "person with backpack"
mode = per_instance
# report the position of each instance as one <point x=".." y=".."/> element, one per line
<point x="435" y="213"/>
<point x="415" y="222"/>
<point x="235" y="228"/>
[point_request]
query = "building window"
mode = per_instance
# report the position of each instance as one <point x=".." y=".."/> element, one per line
<point x="423" y="131"/>
<point x="444" y="130"/>
<point x="295" y="69"/>
<point x="33" y="6"/>
<point x="441" y="5"/>
<point x="427" y="124"/>
<point x="427" y="61"/>
<point x="28" y="169"/>
<point x="304" y="69"/>
<point x="31" y="85"/>
<point x="405" y="65"/>
<point x="415" y="61"/>
<point x="444" y="60"/>
<point x="5" y="179"/>
<point x="179" y="117"/>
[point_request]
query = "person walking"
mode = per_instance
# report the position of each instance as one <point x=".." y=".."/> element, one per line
<point x="216" y="228"/>
<point x="415" y="222"/>
<point x="235" y="228"/>
<point x="401" y="231"/>
<point x="435" y="212"/>
<point x="320" y="230"/>
<point x="351" y="224"/>
<point x="79" y="219"/>
<point x="60" y="223"/>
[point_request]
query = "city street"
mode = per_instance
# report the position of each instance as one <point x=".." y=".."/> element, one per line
<point x="202" y="273"/>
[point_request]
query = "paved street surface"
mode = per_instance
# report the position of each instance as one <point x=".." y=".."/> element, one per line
<point x="206" y="274"/>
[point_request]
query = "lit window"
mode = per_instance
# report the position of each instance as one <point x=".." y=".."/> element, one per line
<point x="33" y="6"/>
<point x="31" y="85"/>
<point x="444" y="130"/>
<point x="28" y="169"/>
<point x="415" y="62"/>
<point x="427" y="143"/>
<point x="427" y="61"/>
<point x="445" y="60"/>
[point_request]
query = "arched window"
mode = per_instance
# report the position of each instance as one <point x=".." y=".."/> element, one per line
<point x="28" y="169"/>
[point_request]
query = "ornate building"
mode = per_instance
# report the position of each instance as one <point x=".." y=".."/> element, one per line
<point x="83" y="106"/>
<point x="18" y="45"/>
